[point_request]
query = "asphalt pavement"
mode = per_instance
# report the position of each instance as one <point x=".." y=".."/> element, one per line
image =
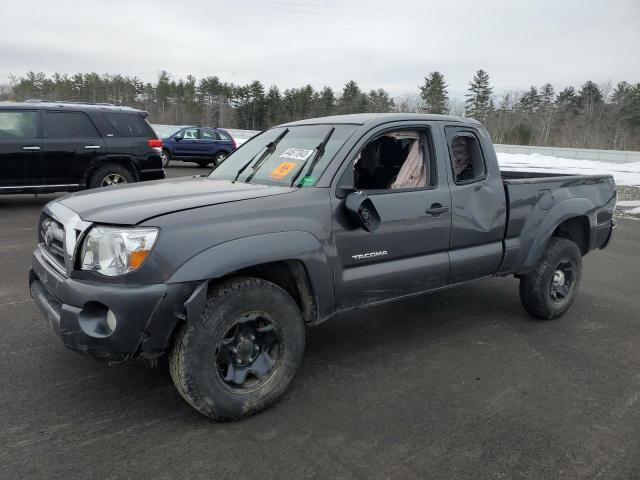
<point x="456" y="384"/>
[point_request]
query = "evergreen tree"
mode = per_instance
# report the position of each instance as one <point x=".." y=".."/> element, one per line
<point x="327" y="101"/>
<point x="478" y="103"/>
<point x="434" y="93"/>
<point x="380" y="101"/>
<point x="530" y="101"/>
<point x="273" y="106"/>
<point x="590" y="97"/>
<point x="547" y="95"/>
<point x="568" y="101"/>
<point x="353" y="100"/>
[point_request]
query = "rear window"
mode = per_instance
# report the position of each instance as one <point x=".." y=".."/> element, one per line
<point x="224" y="136"/>
<point x="68" y="125"/>
<point x="127" y="125"/>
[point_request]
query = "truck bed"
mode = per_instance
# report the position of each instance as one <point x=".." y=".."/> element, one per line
<point x="537" y="200"/>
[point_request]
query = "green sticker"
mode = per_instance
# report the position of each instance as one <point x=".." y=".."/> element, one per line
<point x="307" y="181"/>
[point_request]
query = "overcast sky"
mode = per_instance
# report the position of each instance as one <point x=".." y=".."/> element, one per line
<point x="391" y="44"/>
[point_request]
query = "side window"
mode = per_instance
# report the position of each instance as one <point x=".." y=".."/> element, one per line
<point x="208" y="134"/>
<point x="68" y="125"/>
<point x="18" y="124"/>
<point x="189" y="134"/>
<point x="397" y="160"/>
<point x="224" y="136"/>
<point x="127" y="125"/>
<point x="467" y="162"/>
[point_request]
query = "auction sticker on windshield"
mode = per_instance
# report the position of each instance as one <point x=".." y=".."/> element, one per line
<point x="300" y="154"/>
<point x="282" y="170"/>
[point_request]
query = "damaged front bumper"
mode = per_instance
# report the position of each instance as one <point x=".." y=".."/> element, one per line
<point x="109" y="322"/>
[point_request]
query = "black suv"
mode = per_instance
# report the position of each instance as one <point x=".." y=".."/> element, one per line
<point x="65" y="146"/>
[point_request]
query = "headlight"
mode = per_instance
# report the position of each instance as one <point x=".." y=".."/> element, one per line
<point x="115" y="251"/>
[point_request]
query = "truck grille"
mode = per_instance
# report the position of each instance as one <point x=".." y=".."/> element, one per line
<point x="58" y="234"/>
<point x="52" y="240"/>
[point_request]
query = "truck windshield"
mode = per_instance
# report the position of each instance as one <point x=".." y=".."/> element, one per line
<point x="290" y="158"/>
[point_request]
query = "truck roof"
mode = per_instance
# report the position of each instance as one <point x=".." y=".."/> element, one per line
<point x="378" y="118"/>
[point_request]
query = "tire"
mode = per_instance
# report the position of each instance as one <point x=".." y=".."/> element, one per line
<point x="203" y="348"/>
<point x="203" y="163"/>
<point x="546" y="294"/>
<point x="219" y="158"/>
<point x="111" y="174"/>
<point x="166" y="158"/>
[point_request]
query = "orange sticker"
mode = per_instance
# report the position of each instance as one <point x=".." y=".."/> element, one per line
<point x="282" y="170"/>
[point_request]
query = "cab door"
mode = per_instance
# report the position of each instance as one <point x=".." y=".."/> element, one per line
<point x="408" y="252"/>
<point x="478" y="207"/>
<point x="20" y="147"/>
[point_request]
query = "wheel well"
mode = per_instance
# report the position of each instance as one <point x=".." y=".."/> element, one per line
<point x="291" y="276"/>
<point x="115" y="161"/>
<point x="575" y="229"/>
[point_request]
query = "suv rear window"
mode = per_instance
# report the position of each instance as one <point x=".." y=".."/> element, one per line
<point x="128" y="125"/>
<point x="68" y="125"/>
<point x="223" y="136"/>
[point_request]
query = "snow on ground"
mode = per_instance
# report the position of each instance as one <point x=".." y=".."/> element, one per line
<point x="629" y="206"/>
<point x="623" y="173"/>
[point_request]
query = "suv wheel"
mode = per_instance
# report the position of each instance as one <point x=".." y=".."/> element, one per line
<point x="551" y="288"/>
<point x="111" y="174"/>
<point x="240" y="355"/>
<point x="219" y="158"/>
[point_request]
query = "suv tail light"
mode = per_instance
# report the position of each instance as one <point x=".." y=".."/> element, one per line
<point x="233" y="143"/>
<point x="155" y="143"/>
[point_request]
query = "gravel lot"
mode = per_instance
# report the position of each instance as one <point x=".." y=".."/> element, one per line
<point x="456" y="384"/>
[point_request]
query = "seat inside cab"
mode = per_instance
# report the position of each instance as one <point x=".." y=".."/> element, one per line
<point x="393" y="161"/>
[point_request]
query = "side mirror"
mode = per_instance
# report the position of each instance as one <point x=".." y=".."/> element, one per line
<point x="177" y="138"/>
<point x="362" y="210"/>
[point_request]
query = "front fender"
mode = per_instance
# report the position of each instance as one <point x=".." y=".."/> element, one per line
<point x="235" y="255"/>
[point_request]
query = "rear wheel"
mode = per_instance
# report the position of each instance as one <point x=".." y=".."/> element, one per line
<point x="240" y="355"/>
<point x="111" y="174"/>
<point x="219" y="158"/>
<point x="551" y="288"/>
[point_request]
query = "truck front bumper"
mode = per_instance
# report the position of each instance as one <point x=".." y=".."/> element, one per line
<point x="82" y="313"/>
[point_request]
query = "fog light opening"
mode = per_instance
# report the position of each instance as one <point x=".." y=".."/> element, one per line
<point x="112" y="323"/>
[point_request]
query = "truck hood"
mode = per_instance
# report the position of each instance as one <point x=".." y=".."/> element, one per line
<point x="134" y="203"/>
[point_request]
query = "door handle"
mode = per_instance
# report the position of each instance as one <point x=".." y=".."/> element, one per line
<point x="92" y="147"/>
<point x="436" y="210"/>
<point x="35" y="147"/>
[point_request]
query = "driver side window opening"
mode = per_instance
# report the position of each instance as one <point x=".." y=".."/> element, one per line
<point x="396" y="160"/>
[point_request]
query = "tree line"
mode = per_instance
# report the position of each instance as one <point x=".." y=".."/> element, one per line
<point x="589" y="116"/>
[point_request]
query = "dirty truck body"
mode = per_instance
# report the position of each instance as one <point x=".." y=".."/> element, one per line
<point x="317" y="248"/>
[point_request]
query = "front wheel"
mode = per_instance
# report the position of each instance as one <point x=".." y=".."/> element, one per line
<point x="551" y="288"/>
<point x="240" y="355"/>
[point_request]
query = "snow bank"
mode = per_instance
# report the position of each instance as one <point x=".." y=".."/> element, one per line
<point x="623" y="173"/>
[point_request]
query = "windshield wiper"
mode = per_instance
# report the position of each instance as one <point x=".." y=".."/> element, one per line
<point x="269" y="149"/>
<point x="319" y="152"/>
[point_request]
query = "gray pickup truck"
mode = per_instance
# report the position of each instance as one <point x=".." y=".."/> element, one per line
<point x="224" y="272"/>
